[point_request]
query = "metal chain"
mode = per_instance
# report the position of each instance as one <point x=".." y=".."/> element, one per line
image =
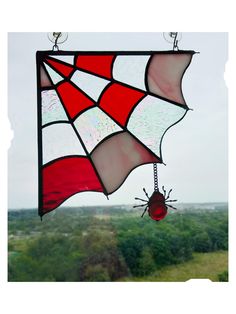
<point x="155" y="175"/>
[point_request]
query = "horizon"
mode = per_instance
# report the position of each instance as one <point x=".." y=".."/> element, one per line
<point x="116" y="205"/>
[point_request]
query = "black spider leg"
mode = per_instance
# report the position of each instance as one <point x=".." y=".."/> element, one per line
<point x="139" y="205"/>
<point x="171" y="201"/>
<point x="146" y="202"/>
<point x="140" y="199"/>
<point x="168" y="196"/>
<point x="146" y="193"/>
<point x="142" y="206"/>
<point x="172" y="207"/>
<point x="144" y="211"/>
<point x="163" y="189"/>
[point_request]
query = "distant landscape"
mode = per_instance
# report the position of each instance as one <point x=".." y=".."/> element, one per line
<point x="113" y="243"/>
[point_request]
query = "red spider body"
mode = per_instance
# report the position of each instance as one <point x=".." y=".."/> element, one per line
<point x="157" y="208"/>
<point x="157" y="204"/>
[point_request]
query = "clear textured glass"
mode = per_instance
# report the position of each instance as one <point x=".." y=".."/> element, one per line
<point x="91" y="84"/>
<point x="67" y="59"/>
<point x="55" y="77"/>
<point x="52" y="109"/>
<point x="151" y="118"/>
<point x="93" y="126"/>
<point x="60" y="140"/>
<point x="131" y="70"/>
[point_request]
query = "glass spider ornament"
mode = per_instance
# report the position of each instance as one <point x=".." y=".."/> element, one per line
<point x="156" y="205"/>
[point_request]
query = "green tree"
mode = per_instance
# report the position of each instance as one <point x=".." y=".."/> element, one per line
<point x="202" y="242"/>
<point x="96" y="273"/>
<point x="146" y="263"/>
<point x="223" y="276"/>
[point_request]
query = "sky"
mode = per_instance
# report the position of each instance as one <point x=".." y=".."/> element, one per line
<point x="194" y="151"/>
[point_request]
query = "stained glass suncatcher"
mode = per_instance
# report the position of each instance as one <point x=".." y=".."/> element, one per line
<point x="102" y="114"/>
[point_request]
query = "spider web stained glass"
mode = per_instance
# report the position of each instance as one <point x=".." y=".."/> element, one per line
<point x="102" y="114"/>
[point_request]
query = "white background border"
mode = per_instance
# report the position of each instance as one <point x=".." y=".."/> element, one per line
<point x="192" y="297"/>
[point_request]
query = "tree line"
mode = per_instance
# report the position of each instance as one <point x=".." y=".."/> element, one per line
<point x="101" y="245"/>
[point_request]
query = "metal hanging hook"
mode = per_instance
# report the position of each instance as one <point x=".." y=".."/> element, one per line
<point x="175" y="44"/>
<point x="57" y="38"/>
<point x="173" y="38"/>
<point x="56" y="35"/>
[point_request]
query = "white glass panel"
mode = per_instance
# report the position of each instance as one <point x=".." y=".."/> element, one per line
<point x="151" y="118"/>
<point x="131" y="70"/>
<point x="60" y="140"/>
<point x="90" y="84"/>
<point x="56" y="78"/>
<point x="94" y="125"/>
<point x="67" y="59"/>
<point x="52" y="109"/>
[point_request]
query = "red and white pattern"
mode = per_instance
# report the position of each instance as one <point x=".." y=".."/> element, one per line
<point x="102" y="115"/>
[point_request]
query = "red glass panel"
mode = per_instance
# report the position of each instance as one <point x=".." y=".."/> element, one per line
<point x="66" y="177"/>
<point x="74" y="100"/>
<point x="63" y="69"/>
<point x="101" y="65"/>
<point x="119" y="100"/>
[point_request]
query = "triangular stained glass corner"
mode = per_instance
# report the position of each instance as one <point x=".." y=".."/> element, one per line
<point x="67" y="59"/>
<point x="64" y="69"/>
<point x="44" y="79"/>
<point x="55" y="77"/>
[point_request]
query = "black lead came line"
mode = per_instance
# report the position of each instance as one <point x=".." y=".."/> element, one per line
<point x="44" y="53"/>
<point x="39" y="127"/>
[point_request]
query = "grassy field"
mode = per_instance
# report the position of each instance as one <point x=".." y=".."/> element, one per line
<point x="202" y="266"/>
